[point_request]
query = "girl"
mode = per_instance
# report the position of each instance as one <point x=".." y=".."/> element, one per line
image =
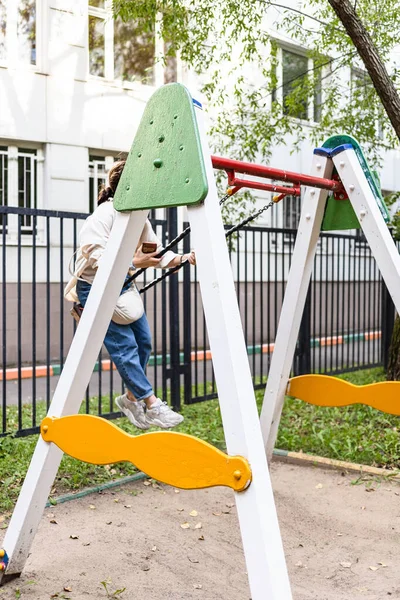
<point x="128" y="338"/>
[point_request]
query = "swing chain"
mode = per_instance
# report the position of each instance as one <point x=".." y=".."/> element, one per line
<point x="172" y="243"/>
<point x="225" y="198"/>
<point x="249" y="219"/>
<point x="227" y="234"/>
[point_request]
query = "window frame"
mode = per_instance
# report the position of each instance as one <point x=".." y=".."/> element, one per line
<point x="11" y="59"/>
<point x="159" y="69"/>
<point x="277" y="94"/>
<point x="93" y="163"/>
<point x="357" y="73"/>
<point x="15" y="151"/>
<point x="106" y="14"/>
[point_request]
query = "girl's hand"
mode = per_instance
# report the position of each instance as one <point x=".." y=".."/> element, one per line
<point x="180" y="259"/>
<point x="143" y="261"/>
<point x="189" y="257"/>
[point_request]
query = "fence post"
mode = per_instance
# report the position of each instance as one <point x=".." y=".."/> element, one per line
<point x="187" y="325"/>
<point x="173" y="373"/>
<point x="303" y="363"/>
<point x="387" y="322"/>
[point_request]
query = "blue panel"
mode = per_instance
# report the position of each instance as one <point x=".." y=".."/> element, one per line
<point x="323" y="152"/>
<point x="341" y="148"/>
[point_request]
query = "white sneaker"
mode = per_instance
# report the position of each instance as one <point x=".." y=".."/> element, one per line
<point x="161" y="415"/>
<point x="133" y="410"/>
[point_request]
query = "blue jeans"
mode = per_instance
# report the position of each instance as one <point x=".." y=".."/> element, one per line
<point x="129" y="347"/>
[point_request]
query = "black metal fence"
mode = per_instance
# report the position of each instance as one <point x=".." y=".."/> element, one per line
<point x="347" y="321"/>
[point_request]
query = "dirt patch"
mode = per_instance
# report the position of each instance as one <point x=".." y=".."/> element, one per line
<point x="341" y="542"/>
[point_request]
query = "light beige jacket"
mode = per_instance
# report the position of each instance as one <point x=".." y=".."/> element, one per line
<point x="93" y="239"/>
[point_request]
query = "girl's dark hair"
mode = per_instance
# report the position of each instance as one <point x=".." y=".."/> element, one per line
<point x="107" y="192"/>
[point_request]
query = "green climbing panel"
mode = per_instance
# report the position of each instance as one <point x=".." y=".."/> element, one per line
<point x="339" y="214"/>
<point x="165" y="165"/>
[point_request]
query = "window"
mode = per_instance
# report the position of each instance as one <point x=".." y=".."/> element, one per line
<point x="19" y="179"/>
<point x="3" y="178"/>
<point x="359" y="81"/>
<point x="291" y="212"/>
<point x="98" y="169"/>
<point x="96" y="46"/>
<point x="362" y="89"/>
<point x="287" y="213"/>
<point x="116" y="49"/>
<point x="26" y="31"/>
<point x="317" y="108"/>
<point x="293" y="73"/>
<point x="171" y="66"/>
<point x="27" y="183"/>
<point x="97" y="177"/>
<point x="133" y="53"/>
<point x="18" y="31"/>
<point x="3" y="30"/>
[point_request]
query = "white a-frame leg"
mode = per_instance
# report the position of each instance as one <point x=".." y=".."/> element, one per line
<point x="383" y="249"/>
<point x="262" y="542"/>
<point x="309" y="228"/>
<point x="259" y="526"/>
<point x="72" y="384"/>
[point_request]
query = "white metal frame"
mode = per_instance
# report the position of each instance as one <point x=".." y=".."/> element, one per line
<point x="262" y="542"/>
<point x="383" y="249"/>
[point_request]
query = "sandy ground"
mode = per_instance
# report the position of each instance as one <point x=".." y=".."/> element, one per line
<point x="342" y="541"/>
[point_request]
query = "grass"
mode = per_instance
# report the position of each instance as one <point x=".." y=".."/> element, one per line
<point x="357" y="434"/>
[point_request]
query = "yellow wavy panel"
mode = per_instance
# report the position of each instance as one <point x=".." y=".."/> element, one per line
<point x="323" y="390"/>
<point x="173" y="458"/>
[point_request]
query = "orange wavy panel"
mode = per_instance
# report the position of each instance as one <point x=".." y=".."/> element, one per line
<point x="323" y="390"/>
<point x="174" y="458"/>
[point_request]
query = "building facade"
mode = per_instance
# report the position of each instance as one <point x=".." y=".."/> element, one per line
<point x="73" y="85"/>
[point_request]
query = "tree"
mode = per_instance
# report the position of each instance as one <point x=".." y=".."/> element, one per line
<point x="257" y="107"/>
<point x="369" y="54"/>
<point x="390" y="99"/>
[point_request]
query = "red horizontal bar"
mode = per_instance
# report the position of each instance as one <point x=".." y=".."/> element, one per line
<point x="227" y="164"/>
<point x="268" y="187"/>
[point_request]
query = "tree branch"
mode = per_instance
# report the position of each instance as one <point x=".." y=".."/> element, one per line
<point x="380" y="78"/>
<point x="299" y="12"/>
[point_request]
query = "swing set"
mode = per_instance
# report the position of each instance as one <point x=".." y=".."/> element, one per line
<point x="170" y="165"/>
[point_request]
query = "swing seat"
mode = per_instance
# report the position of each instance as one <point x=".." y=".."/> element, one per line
<point x="177" y="459"/>
<point x="323" y="390"/>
